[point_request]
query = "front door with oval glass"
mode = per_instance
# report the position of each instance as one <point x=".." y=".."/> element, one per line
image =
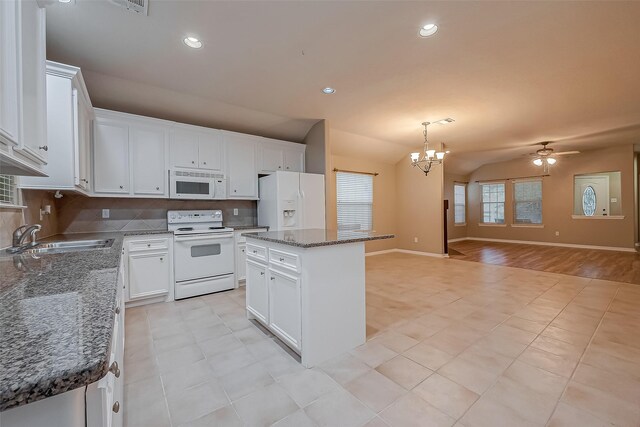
<point x="597" y="194"/>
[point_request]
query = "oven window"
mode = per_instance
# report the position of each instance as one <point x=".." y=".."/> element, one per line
<point x="205" y="250"/>
<point x="186" y="187"/>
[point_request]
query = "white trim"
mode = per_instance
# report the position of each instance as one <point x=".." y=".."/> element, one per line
<point x="564" y="245"/>
<point x="386" y="251"/>
<point x="6" y="206"/>
<point x="528" y="225"/>
<point x="530" y="179"/>
<point x="598" y="217"/>
<point x="459" y="239"/>
<point x="407" y="251"/>
<point x="492" y="224"/>
<point x="460" y="224"/>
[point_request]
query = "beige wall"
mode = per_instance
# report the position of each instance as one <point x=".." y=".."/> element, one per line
<point x="384" y="197"/>
<point x="419" y="208"/>
<point x="10" y="219"/>
<point x="316" y="142"/>
<point x="453" y="231"/>
<point x="557" y="205"/>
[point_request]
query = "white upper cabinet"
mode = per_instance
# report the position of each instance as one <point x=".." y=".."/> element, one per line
<point x="294" y="160"/>
<point x="275" y="155"/>
<point x="23" y="116"/>
<point x="184" y="149"/>
<point x="69" y="117"/>
<point x="34" y="108"/>
<point x="111" y="156"/>
<point x="242" y="175"/>
<point x="271" y="158"/>
<point x="196" y="148"/>
<point x="149" y="169"/>
<point x="210" y="152"/>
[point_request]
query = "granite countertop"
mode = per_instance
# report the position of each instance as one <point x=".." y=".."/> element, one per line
<point x="310" y="238"/>
<point x="56" y="319"/>
<point x="245" y="227"/>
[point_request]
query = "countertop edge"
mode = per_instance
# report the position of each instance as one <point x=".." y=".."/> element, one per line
<point x="319" y="244"/>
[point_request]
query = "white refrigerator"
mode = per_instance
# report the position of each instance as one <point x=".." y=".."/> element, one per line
<point x="291" y="201"/>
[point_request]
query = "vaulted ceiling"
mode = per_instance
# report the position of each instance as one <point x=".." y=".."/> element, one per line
<point x="510" y="73"/>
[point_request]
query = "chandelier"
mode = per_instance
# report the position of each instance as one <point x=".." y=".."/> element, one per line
<point x="429" y="157"/>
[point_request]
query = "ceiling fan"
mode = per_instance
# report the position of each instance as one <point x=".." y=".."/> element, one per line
<point x="546" y="156"/>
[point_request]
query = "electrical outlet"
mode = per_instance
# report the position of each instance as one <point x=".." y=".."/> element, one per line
<point x="415" y="240"/>
<point x="235" y="211"/>
<point x="557" y="233"/>
<point x="105" y="213"/>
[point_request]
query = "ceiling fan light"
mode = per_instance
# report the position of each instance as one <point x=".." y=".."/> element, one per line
<point x="537" y="162"/>
<point x="551" y="161"/>
<point x="415" y="157"/>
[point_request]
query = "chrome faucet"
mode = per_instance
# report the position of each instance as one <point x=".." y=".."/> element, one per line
<point x="21" y="233"/>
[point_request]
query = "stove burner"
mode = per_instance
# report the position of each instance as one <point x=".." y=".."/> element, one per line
<point x="185" y="229"/>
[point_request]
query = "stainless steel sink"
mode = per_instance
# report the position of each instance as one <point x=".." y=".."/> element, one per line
<point x="69" y="246"/>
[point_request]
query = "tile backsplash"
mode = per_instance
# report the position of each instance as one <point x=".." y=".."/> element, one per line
<point x="78" y="214"/>
<point x="10" y="219"/>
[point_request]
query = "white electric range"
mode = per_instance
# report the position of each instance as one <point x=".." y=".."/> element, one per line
<point x="203" y="252"/>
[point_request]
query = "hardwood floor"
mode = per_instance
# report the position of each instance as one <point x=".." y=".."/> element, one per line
<point x="595" y="264"/>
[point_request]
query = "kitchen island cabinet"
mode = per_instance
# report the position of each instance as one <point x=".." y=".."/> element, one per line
<point x="308" y="288"/>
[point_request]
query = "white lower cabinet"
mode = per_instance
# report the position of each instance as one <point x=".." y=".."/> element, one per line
<point x="312" y="299"/>
<point x="241" y="254"/>
<point x="284" y="307"/>
<point x="148" y="269"/>
<point x="257" y="292"/>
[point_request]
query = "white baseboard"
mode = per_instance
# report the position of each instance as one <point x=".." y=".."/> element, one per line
<point x="407" y="251"/>
<point x="563" y="245"/>
<point x="386" y="251"/>
<point x="459" y="239"/>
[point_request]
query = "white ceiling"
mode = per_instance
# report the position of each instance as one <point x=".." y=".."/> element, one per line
<point x="510" y="73"/>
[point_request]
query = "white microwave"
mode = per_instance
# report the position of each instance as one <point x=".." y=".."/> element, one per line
<point x="197" y="185"/>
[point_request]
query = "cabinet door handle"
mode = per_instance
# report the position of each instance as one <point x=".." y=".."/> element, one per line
<point x="118" y="310"/>
<point x="273" y="278"/>
<point x="287" y="167"/>
<point x="115" y="370"/>
<point x="281" y="259"/>
<point x="161" y="259"/>
<point x="121" y="187"/>
<point x="157" y="188"/>
<point x="242" y="250"/>
<point x="255" y="252"/>
<point x="235" y="191"/>
<point x="84" y="180"/>
<point x="262" y="273"/>
<point x="44" y="147"/>
<point x="204" y="163"/>
<point x="116" y="407"/>
<point x="193" y="162"/>
<point x="279" y="167"/>
<point x="148" y="245"/>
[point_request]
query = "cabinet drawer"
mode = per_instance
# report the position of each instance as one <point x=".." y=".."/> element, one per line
<point x="284" y="260"/>
<point x="150" y="244"/>
<point x="256" y="252"/>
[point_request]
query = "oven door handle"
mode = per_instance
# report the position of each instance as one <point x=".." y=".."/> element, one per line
<point x="203" y="237"/>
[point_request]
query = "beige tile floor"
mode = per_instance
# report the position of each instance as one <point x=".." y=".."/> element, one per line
<point x="450" y="343"/>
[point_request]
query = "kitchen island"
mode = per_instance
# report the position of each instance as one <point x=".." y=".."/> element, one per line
<point x="308" y="288"/>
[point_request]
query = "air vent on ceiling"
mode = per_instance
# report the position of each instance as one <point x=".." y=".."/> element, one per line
<point x="138" y="6"/>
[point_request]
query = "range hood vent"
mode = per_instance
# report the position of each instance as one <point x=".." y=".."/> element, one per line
<point x="137" y="6"/>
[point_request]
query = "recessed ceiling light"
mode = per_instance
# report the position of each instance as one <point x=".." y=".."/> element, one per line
<point x="328" y="90"/>
<point x="193" y="42"/>
<point x="428" y="30"/>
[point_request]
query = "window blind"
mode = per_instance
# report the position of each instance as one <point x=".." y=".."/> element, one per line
<point x="8" y="193"/>
<point x="459" y="203"/>
<point x="493" y="203"/>
<point x="527" y="199"/>
<point x="354" y="201"/>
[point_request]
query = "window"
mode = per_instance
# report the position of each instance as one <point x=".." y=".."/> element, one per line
<point x="355" y="201"/>
<point x="493" y="203"/>
<point x="527" y="202"/>
<point x="459" y="203"/>
<point x="8" y="192"/>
